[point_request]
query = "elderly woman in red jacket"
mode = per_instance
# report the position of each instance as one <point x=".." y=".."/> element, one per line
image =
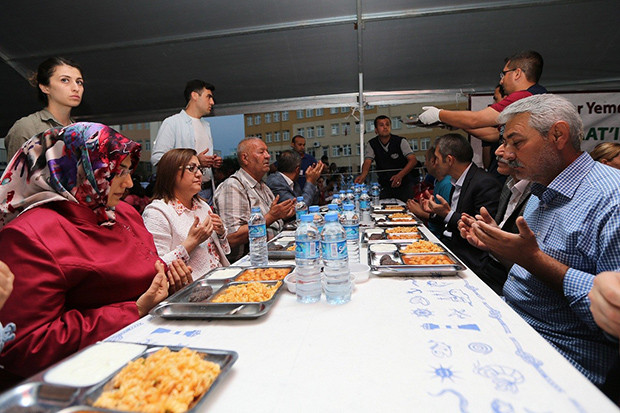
<point x="85" y="266"/>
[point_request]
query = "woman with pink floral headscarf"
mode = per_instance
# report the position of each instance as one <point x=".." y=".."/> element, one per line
<point x="85" y="266"/>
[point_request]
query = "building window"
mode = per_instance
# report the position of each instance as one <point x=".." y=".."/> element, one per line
<point x="267" y="136"/>
<point x="267" y="117"/>
<point x="278" y="153"/>
<point x="344" y="109"/>
<point x="271" y="154"/>
<point x="358" y="149"/>
<point x="396" y="122"/>
<point x="301" y="131"/>
<point x="286" y="135"/>
<point x="257" y="120"/>
<point x="276" y="116"/>
<point x="346" y="150"/>
<point x="357" y="127"/>
<point x="320" y="131"/>
<point x="414" y="145"/>
<point x="139" y="126"/>
<point x="130" y="126"/>
<point x="285" y="116"/>
<point x="333" y="111"/>
<point x="335" y="129"/>
<point x="370" y="126"/>
<point x="335" y="151"/>
<point x="425" y="143"/>
<point x="346" y="128"/>
<point x="310" y="132"/>
<point x="300" y="114"/>
<point x="319" y="112"/>
<point x="325" y="151"/>
<point x="308" y="113"/>
<point x="147" y="145"/>
<point x="249" y="121"/>
<point x="276" y="136"/>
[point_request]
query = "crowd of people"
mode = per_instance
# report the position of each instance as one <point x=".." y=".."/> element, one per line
<point x="545" y="236"/>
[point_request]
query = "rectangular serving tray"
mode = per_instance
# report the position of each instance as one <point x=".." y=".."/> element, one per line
<point x="178" y="306"/>
<point x="38" y="395"/>
<point x="403" y="270"/>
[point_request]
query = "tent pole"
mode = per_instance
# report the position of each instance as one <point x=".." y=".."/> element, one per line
<point x="360" y="71"/>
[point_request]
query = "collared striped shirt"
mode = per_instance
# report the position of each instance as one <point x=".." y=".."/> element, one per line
<point x="576" y="220"/>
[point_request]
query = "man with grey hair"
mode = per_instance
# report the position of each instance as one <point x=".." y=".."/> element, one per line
<point x="569" y="231"/>
<point x="285" y="182"/>
<point x="243" y="190"/>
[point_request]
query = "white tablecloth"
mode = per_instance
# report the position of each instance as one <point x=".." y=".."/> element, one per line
<point x="444" y="344"/>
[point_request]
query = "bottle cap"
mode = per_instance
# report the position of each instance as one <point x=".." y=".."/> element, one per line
<point x="331" y="217"/>
<point x="314" y="208"/>
<point x="332" y="207"/>
<point x="307" y="218"/>
<point x="300" y="198"/>
<point x="255" y="210"/>
<point x="349" y="207"/>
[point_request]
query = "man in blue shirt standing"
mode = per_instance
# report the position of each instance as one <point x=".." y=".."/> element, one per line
<point x="569" y="232"/>
<point x="298" y="143"/>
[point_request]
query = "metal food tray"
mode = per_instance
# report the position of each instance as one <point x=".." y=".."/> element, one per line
<point x="388" y="222"/>
<point x="382" y="209"/>
<point x="36" y="395"/>
<point x="404" y="270"/>
<point x="283" y="253"/>
<point x="178" y="306"/>
<point x="384" y="236"/>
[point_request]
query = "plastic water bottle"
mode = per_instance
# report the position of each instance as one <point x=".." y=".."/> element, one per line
<point x="343" y="198"/>
<point x="307" y="260"/>
<point x="375" y="191"/>
<point x="357" y="191"/>
<point x="365" y="207"/>
<point x="337" y="281"/>
<point x="300" y="209"/>
<point x="257" y="233"/>
<point x="319" y="221"/>
<point x="349" y="198"/>
<point x="333" y="208"/>
<point x="351" y="223"/>
<point x="337" y="201"/>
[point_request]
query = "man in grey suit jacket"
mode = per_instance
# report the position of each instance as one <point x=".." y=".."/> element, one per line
<point x="285" y="183"/>
<point x="473" y="188"/>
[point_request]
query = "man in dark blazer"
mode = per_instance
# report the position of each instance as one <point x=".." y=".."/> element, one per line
<point x="285" y="183"/>
<point x="513" y="198"/>
<point x="473" y="188"/>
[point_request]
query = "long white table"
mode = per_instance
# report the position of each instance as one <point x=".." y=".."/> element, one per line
<point x="446" y="344"/>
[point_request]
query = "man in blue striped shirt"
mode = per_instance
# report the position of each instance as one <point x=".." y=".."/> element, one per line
<point x="569" y="232"/>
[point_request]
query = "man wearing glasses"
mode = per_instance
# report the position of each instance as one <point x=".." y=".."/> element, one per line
<point x="190" y="129"/>
<point x="519" y="79"/>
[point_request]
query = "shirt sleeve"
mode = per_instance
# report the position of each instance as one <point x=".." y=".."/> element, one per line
<point x="160" y="227"/>
<point x="164" y="141"/>
<point x="54" y="330"/>
<point x="405" y="147"/>
<point x="512" y="98"/>
<point x="577" y="284"/>
<point x="232" y="204"/>
<point x="19" y="133"/>
<point x="368" y="152"/>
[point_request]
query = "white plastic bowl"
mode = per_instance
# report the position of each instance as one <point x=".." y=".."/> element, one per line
<point x="291" y="282"/>
<point x="359" y="271"/>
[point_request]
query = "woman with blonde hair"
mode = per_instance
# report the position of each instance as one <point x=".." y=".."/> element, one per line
<point x="607" y="153"/>
<point x="183" y="224"/>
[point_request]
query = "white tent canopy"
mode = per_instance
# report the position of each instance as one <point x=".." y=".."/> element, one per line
<point x="137" y="55"/>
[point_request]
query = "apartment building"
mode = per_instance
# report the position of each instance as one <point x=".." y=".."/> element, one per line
<point x="335" y="131"/>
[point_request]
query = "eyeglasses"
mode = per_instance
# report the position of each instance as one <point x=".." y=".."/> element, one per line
<point x="503" y="72"/>
<point x="193" y="168"/>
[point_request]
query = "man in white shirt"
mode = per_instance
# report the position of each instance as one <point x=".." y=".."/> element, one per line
<point x="189" y="129"/>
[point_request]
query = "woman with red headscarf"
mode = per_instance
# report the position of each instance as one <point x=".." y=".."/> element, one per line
<point x="85" y="266"/>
